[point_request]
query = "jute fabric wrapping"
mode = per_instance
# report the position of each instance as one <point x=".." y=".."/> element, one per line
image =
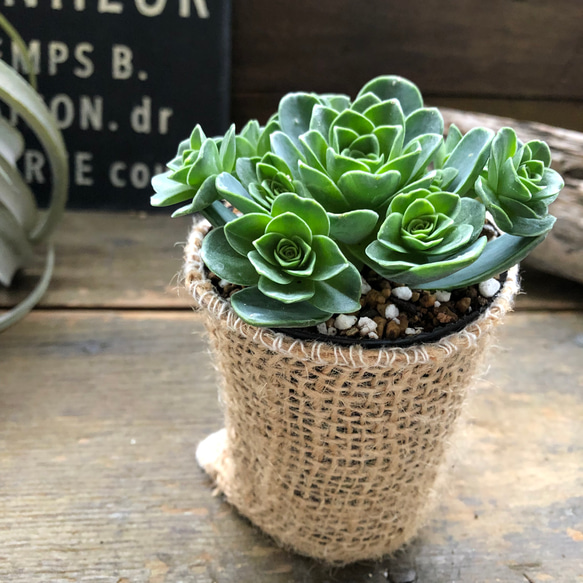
<point x="333" y="451"/>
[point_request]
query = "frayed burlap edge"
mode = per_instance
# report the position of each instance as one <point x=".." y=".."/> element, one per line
<point x="332" y="450"/>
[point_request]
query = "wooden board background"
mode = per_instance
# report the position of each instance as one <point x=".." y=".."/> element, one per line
<point x="132" y="261"/>
<point x="518" y="58"/>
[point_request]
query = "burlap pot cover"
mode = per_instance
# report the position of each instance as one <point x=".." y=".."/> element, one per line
<point x="333" y="451"/>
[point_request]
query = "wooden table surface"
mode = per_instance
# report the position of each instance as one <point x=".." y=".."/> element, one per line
<point x="106" y="389"/>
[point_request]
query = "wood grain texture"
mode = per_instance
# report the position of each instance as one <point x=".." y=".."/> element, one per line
<point x="503" y="48"/>
<point x="112" y="260"/>
<point x="516" y="58"/>
<point x="100" y="413"/>
<point x="116" y="260"/>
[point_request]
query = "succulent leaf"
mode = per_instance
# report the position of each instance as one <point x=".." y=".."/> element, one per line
<point x="243" y="231"/>
<point x="233" y="191"/>
<point x="285" y="148"/>
<point x="228" y="150"/>
<point x="499" y="255"/>
<point x="339" y="293"/>
<point x="353" y="226"/>
<point x="220" y="257"/>
<point x="256" y="309"/>
<point x="168" y="191"/>
<point x="311" y="212"/>
<point x="246" y="170"/>
<point x="391" y="86"/>
<point x="264" y="142"/>
<point x="427" y="235"/>
<point x="336" y="101"/>
<point x="423" y="121"/>
<point x="468" y="159"/>
<point x="295" y="113"/>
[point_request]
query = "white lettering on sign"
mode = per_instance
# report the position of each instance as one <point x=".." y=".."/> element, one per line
<point x="148" y="8"/>
<point x="202" y="10"/>
<point x="63" y="110"/>
<point x="86" y="68"/>
<point x="109" y="6"/>
<point x="78" y="4"/>
<point x="18" y="62"/>
<point x="141" y="117"/>
<point x="58" y="53"/>
<point x="121" y="62"/>
<point x="83" y="168"/>
<point x="164" y="115"/>
<point x="27" y="3"/>
<point x="34" y="162"/>
<point x="138" y="175"/>
<point x="91" y="113"/>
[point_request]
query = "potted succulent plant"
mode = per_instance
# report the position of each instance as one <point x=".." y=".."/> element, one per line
<point x="352" y="265"/>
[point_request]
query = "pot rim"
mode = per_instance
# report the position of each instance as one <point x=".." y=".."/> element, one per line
<point x="327" y="351"/>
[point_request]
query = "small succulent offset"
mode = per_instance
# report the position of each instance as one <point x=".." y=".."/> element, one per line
<point x="331" y="186"/>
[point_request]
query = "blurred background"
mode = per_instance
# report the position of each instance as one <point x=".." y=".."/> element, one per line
<point x="128" y="80"/>
<point x="516" y="58"/>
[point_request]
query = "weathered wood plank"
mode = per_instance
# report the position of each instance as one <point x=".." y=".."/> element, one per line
<point x="116" y="260"/>
<point x="123" y="260"/>
<point x="560" y="114"/>
<point x="488" y="49"/>
<point x="100" y="413"/>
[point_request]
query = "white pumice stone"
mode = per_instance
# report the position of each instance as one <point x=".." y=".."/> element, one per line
<point x="322" y="328"/>
<point x="442" y="296"/>
<point x="223" y="283"/>
<point x="489" y="287"/>
<point x="403" y="293"/>
<point x="391" y="312"/>
<point x="344" y="322"/>
<point x="373" y="335"/>
<point x="332" y="331"/>
<point x="365" y="321"/>
<point x="364" y="286"/>
<point x="366" y="326"/>
<point x="411" y="331"/>
<point x="437" y="304"/>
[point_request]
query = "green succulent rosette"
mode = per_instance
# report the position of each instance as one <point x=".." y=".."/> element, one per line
<point x="198" y="162"/>
<point x="266" y="178"/>
<point x="355" y="157"/>
<point x="517" y="185"/>
<point x="428" y="235"/>
<point x="294" y="274"/>
<point x="194" y="168"/>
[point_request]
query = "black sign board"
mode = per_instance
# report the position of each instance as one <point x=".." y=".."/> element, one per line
<point x="126" y="80"/>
